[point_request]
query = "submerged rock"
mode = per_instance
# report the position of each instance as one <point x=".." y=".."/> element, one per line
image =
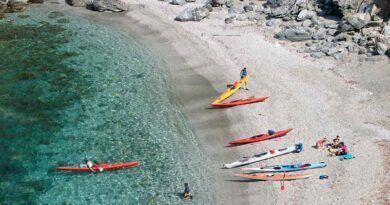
<point x="193" y="14"/>
<point x="17" y="5"/>
<point x="290" y="34"/>
<point x="107" y="5"/>
<point x="3" y="5"/>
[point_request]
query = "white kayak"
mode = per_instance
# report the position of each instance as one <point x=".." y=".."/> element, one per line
<point x="263" y="156"/>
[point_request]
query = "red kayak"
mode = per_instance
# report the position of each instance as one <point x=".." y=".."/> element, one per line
<point x="238" y="102"/>
<point x="260" y="137"/>
<point x="100" y="167"/>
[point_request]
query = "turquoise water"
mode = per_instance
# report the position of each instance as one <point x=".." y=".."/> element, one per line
<point x="73" y="88"/>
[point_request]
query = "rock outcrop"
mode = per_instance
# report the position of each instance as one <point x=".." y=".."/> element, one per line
<point x="193" y="14"/>
<point x="107" y="5"/>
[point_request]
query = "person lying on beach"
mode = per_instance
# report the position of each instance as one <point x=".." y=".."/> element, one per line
<point x="320" y="144"/>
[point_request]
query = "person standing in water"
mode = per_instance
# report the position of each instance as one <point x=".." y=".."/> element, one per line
<point x="186" y="193"/>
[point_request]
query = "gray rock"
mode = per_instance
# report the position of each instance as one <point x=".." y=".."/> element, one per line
<point x="35" y="1"/>
<point x="338" y="56"/>
<point x="319" y="35"/>
<point x="17" y="5"/>
<point x="216" y="3"/>
<point x="332" y="51"/>
<point x="193" y="14"/>
<point x="263" y="10"/>
<point x="178" y="2"/>
<point x="248" y="8"/>
<point x="78" y="3"/>
<point x="362" y="50"/>
<point x="290" y="34"/>
<point x="190" y="1"/>
<point x="279" y="12"/>
<point x="386" y="31"/>
<point x="331" y="32"/>
<point x="270" y="22"/>
<point x="3" y="5"/>
<point x="317" y="54"/>
<point x="350" y="23"/>
<point x="388" y="53"/>
<point x="356" y="38"/>
<point x="230" y="19"/>
<point x="306" y="23"/>
<point x="277" y="3"/>
<point x="236" y="9"/>
<point x="340" y="37"/>
<point x="107" y="5"/>
<point x="352" y="48"/>
<point x="306" y="14"/>
<point x="241" y="17"/>
<point x="331" y="25"/>
<point x="381" y="48"/>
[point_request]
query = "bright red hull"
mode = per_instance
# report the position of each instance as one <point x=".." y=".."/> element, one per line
<point x="260" y="137"/>
<point x="101" y="167"/>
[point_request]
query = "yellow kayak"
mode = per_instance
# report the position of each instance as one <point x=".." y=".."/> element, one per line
<point x="230" y="91"/>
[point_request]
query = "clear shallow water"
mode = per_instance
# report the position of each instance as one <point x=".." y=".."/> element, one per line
<point x="72" y="88"/>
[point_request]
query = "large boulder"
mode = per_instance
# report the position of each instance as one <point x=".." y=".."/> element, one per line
<point x="17" y="5"/>
<point x="306" y="14"/>
<point x="291" y="34"/>
<point x="107" y="5"/>
<point x="193" y="14"/>
<point x="78" y="3"/>
<point x="353" y="22"/>
<point x="178" y="2"/>
<point x="3" y="5"/>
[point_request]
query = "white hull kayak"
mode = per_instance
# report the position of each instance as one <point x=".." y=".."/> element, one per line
<point x="286" y="168"/>
<point x="263" y="156"/>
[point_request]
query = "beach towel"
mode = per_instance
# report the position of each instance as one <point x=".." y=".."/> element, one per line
<point x="346" y="157"/>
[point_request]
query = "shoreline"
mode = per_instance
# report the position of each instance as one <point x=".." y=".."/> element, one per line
<point x="325" y="98"/>
<point x="292" y="82"/>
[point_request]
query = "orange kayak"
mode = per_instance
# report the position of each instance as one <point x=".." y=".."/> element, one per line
<point x="274" y="177"/>
<point x="238" y="102"/>
<point x="100" y="167"/>
<point x="260" y="137"/>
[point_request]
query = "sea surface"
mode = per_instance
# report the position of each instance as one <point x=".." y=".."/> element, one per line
<point x="73" y="88"/>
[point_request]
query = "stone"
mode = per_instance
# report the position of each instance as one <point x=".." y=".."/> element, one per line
<point x="362" y="50"/>
<point x="306" y="23"/>
<point x="17" y="5"/>
<point x="331" y="25"/>
<point x="217" y="3"/>
<point x="3" y="5"/>
<point x="381" y="48"/>
<point x="332" y="51"/>
<point x="306" y="14"/>
<point x="235" y="10"/>
<point x="241" y="17"/>
<point x="230" y="19"/>
<point x="35" y="1"/>
<point x="178" y="2"/>
<point x="270" y="22"/>
<point x="317" y="54"/>
<point x="190" y="1"/>
<point x="78" y="3"/>
<point x="350" y="23"/>
<point x="386" y="31"/>
<point x="248" y="8"/>
<point x="279" y="12"/>
<point x="107" y="5"/>
<point x="290" y="34"/>
<point x="340" y="37"/>
<point x="352" y="48"/>
<point x="319" y="35"/>
<point x="331" y="32"/>
<point x="338" y="56"/>
<point x="193" y="14"/>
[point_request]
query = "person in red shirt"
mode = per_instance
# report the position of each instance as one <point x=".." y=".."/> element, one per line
<point x="320" y="143"/>
<point x="343" y="149"/>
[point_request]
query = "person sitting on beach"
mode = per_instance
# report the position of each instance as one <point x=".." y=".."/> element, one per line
<point x="243" y="73"/>
<point x="271" y="132"/>
<point x="186" y="193"/>
<point x="320" y="143"/>
<point x="234" y="85"/>
<point x="90" y="164"/>
<point x="335" y="143"/>
<point x="343" y="150"/>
